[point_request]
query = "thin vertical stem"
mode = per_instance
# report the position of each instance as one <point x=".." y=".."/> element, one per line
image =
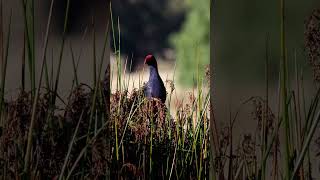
<point x="2" y="69"/>
<point x="23" y="63"/>
<point x="265" y="112"/>
<point x="61" y="53"/>
<point x="94" y="52"/>
<point x="284" y="90"/>
<point x="4" y="65"/>
<point x="33" y="115"/>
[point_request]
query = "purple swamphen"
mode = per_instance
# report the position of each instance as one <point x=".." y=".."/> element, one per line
<point x="154" y="87"/>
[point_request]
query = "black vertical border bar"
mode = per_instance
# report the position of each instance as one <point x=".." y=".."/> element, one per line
<point x="107" y="90"/>
<point x="107" y="71"/>
<point x="213" y="128"/>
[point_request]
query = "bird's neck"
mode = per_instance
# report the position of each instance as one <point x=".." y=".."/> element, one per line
<point x="153" y="72"/>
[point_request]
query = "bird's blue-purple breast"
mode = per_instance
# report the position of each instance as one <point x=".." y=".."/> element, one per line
<point x="155" y="87"/>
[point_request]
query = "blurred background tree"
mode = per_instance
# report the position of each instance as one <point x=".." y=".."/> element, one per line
<point x="192" y="42"/>
<point x="162" y="27"/>
<point x="145" y="26"/>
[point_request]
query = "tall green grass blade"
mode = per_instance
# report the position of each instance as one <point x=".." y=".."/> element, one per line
<point x="35" y="102"/>
<point x="4" y="65"/>
<point x="84" y="149"/>
<point x="29" y="39"/>
<point x="284" y="90"/>
<point x="131" y="114"/>
<point x="46" y="73"/>
<point x="23" y="62"/>
<point x="305" y="146"/>
<point x="70" y="147"/>
<point x="173" y="161"/>
<point x="74" y="65"/>
<point x="56" y="85"/>
<point x="94" y="52"/>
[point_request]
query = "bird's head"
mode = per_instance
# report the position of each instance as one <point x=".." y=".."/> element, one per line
<point x="150" y="60"/>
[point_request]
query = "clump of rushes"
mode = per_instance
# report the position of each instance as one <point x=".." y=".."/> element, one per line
<point x="153" y="144"/>
<point x="262" y="112"/>
<point x="51" y="139"/>
<point x="96" y="134"/>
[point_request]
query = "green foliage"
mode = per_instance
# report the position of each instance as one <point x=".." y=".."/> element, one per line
<point x="192" y="42"/>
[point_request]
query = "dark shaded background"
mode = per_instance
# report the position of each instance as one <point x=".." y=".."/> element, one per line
<point x="81" y="16"/>
<point x="240" y="30"/>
